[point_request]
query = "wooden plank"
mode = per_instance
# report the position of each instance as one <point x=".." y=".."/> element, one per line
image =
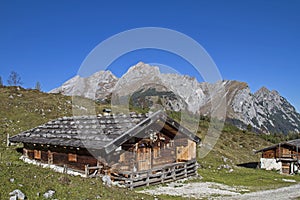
<point x="154" y="181"/>
<point x="95" y="167"/>
<point x="86" y="171"/>
<point x="164" y="174"/>
<point x="131" y="181"/>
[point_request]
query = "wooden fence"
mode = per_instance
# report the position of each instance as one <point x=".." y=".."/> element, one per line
<point x="94" y="169"/>
<point x="166" y="173"/>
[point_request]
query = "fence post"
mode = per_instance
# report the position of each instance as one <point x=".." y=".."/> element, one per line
<point x="131" y="180"/>
<point x="163" y="175"/>
<point x="7" y="140"/>
<point x="65" y="169"/>
<point x="185" y="170"/>
<point x="173" y="173"/>
<point x="148" y="178"/>
<point x="86" y="170"/>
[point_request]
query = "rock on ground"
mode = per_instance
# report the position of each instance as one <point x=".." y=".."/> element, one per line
<point x="49" y="194"/>
<point x="17" y="195"/>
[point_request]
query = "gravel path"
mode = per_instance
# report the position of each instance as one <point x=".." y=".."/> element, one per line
<point x="196" y="190"/>
<point x="291" y="192"/>
<point x="212" y="190"/>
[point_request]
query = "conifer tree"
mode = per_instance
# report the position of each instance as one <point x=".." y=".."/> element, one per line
<point x="38" y="86"/>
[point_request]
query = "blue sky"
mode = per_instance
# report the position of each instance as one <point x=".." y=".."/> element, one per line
<point x="252" y="41"/>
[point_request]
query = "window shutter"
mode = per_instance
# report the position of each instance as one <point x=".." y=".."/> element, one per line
<point x="37" y="154"/>
<point x="72" y="157"/>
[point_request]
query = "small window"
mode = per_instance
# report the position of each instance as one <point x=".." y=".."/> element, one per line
<point x="72" y="157"/>
<point x="37" y="154"/>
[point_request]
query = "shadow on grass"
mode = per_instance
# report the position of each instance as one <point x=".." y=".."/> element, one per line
<point x="19" y="150"/>
<point x="251" y="165"/>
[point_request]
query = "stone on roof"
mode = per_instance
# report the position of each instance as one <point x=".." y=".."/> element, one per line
<point x="80" y="131"/>
<point x="95" y="132"/>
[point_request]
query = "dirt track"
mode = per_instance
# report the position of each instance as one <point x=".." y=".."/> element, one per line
<point x="291" y="192"/>
<point x="219" y="191"/>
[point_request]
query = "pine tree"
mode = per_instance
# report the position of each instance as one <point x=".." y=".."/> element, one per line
<point x="249" y="128"/>
<point x="38" y="86"/>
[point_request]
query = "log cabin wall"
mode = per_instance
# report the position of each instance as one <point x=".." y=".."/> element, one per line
<point x="126" y="161"/>
<point x="269" y="153"/>
<point x="281" y="152"/>
<point x="286" y="152"/>
<point x="278" y="152"/>
<point x="71" y="157"/>
<point x="163" y="153"/>
<point x="144" y="158"/>
<point x="145" y="154"/>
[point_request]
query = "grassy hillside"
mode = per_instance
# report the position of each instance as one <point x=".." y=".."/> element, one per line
<point x="234" y="149"/>
<point x="24" y="109"/>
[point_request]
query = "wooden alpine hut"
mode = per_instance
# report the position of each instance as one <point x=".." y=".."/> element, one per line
<point x="134" y="150"/>
<point x="284" y="156"/>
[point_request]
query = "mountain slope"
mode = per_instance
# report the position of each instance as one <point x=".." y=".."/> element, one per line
<point x="102" y="83"/>
<point x="265" y="111"/>
<point x="22" y="109"/>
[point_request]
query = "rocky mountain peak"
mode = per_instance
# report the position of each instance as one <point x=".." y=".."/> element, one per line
<point x="269" y="99"/>
<point x="98" y="84"/>
<point x="104" y="75"/>
<point x="265" y="110"/>
<point x="142" y="69"/>
<point x="263" y="90"/>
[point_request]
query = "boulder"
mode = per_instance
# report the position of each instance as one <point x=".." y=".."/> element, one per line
<point x="17" y="195"/>
<point x="49" y="194"/>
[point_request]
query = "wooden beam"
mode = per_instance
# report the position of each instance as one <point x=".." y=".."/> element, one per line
<point x="166" y="173"/>
<point x="86" y="171"/>
<point x="7" y="140"/>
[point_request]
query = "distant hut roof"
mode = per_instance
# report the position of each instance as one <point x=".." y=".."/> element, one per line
<point x="292" y="143"/>
<point x="96" y="132"/>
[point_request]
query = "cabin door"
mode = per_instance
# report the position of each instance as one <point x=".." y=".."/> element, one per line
<point x="144" y="159"/>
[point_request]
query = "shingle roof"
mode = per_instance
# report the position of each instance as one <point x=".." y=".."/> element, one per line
<point x="80" y="131"/>
<point x="96" y="132"/>
<point x="293" y="143"/>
